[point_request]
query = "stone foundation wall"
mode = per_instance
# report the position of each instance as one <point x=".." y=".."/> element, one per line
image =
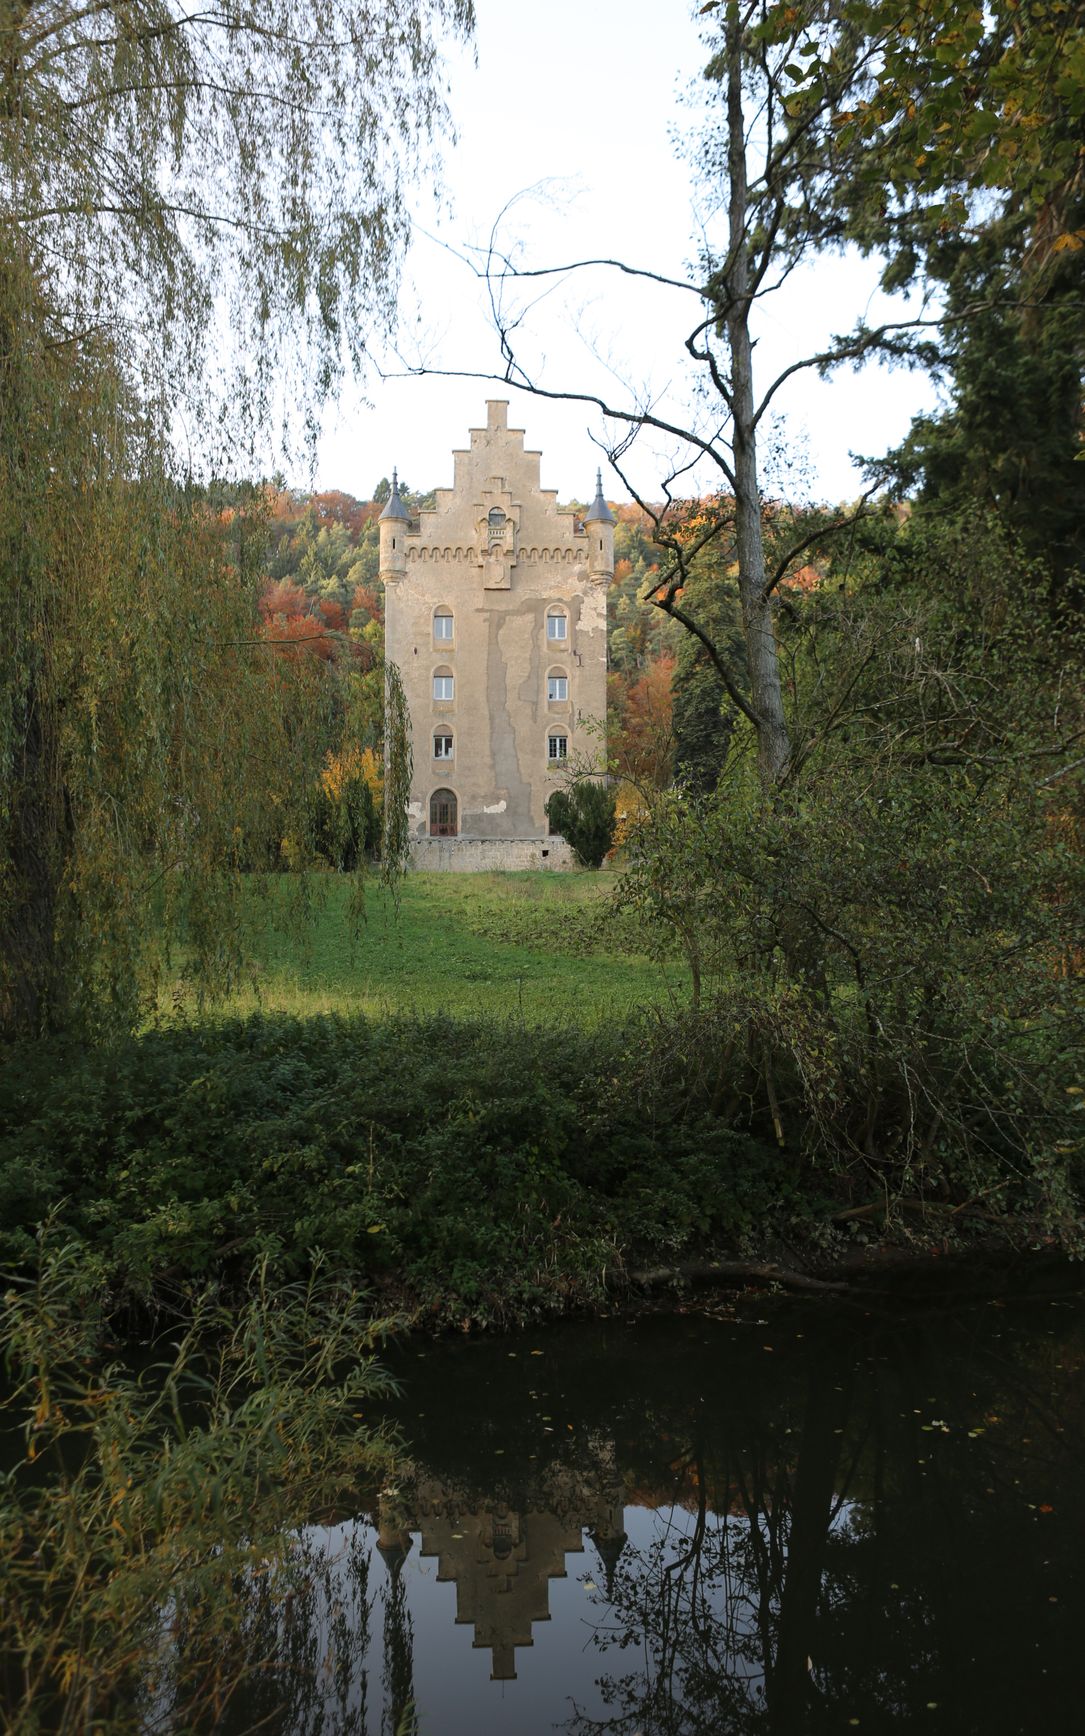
<point x="485" y="855"/>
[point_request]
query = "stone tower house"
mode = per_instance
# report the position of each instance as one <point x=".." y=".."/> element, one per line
<point x="495" y="614"/>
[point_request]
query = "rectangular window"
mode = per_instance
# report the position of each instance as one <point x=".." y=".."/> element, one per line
<point x="557" y="747"/>
<point x="442" y="687"/>
<point x="442" y="747"/>
<point x="557" y="687"/>
<point x="555" y="626"/>
<point x="442" y="626"/>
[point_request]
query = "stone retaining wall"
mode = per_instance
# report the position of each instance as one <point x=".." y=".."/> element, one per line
<point x="485" y="855"/>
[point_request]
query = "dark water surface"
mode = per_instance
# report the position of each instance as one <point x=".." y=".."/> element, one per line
<point x="793" y="1519"/>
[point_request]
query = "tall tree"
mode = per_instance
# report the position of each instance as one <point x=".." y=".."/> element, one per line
<point x="970" y="182"/>
<point x="905" y="134"/>
<point x="772" y="165"/>
<point x="223" y="182"/>
<point x="178" y="186"/>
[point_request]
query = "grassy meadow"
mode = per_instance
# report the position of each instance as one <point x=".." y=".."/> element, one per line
<point x="543" y="947"/>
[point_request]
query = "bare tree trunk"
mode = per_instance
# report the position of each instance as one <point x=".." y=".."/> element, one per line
<point x="773" y="744"/>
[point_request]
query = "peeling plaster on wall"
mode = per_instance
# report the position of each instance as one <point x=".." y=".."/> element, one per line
<point x="517" y="819"/>
<point x="498" y="808"/>
<point x="529" y="693"/>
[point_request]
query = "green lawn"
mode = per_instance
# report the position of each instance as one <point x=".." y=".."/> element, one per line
<point x="527" y="945"/>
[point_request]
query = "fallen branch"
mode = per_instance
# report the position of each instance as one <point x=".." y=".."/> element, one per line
<point x="731" y="1272"/>
<point x="982" y="1268"/>
<point x="879" y="1208"/>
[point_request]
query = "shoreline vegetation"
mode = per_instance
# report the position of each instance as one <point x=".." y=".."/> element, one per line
<point x="466" y="1173"/>
<point x="593" y="1134"/>
<point x="208" y="1228"/>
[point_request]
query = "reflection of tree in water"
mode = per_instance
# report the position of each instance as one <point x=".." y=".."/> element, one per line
<point x="294" y="1663"/>
<point x="870" y="1551"/>
<point x="722" y="1607"/>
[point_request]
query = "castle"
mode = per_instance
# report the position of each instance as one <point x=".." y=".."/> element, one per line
<point x="495" y="615"/>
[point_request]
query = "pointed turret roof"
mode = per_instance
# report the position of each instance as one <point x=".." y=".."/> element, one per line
<point x="395" y="507"/>
<point x="395" y="1551"/>
<point x="609" y="1548"/>
<point x="599" y="512"/>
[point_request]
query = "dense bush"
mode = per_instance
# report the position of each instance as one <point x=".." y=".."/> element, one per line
<point x="584" y="814"/>
<point x="477" y="1169"/>
<point x="889" y="941"/>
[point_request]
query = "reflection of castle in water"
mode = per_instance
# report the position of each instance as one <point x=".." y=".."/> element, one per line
<point x="501" y="1559"/>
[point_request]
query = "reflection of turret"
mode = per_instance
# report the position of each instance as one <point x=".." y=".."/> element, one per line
<point x="608" y="1547"/>
<point x="394" y="1546"/>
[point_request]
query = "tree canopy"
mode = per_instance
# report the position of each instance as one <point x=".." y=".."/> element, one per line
<point x="222" y="189"/>
<point x="194" y="204"/>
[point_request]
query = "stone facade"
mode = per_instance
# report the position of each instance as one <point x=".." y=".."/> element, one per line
<point x="495" y="614"/>
<point x="490" y="855"/>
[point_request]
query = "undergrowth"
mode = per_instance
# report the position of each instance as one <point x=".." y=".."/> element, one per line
<point x="467" y="1170"/>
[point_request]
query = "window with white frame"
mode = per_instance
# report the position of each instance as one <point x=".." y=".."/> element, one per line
<point x="443" y="624"/>
<point x="443" y="684"/>
<point x="557" y="747"/>
<point x="557" y="687"/>
<point x="557" y="626"/>
<point x="442" y="747"/>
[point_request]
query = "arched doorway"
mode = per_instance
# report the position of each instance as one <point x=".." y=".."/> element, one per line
<point x="442" y="814"/>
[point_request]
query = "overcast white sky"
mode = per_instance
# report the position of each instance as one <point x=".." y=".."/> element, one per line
<point x="586" y="101"/>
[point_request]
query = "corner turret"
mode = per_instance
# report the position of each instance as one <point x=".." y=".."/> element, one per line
<point x="393" y="524"/>
<point x="599" y="524"/>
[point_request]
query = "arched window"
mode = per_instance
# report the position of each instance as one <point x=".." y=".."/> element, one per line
<point x="444" y="685"/>
<point x="557" y="626"/>
<point x="443" y="625"/>
<point x="557" y="747"/>
<point x="442" y="814"/>
<point x="443" y="746"/>
<point x="495" y="518"/>
<point x="557" y="686"/>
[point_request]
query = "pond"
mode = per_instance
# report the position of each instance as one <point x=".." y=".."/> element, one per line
<point x="765" y="1518"/>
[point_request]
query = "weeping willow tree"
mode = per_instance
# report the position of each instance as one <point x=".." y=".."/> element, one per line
<point x="204" y="217"/>
<point x="224" y="187"/>
<point x="153" y="748"/>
